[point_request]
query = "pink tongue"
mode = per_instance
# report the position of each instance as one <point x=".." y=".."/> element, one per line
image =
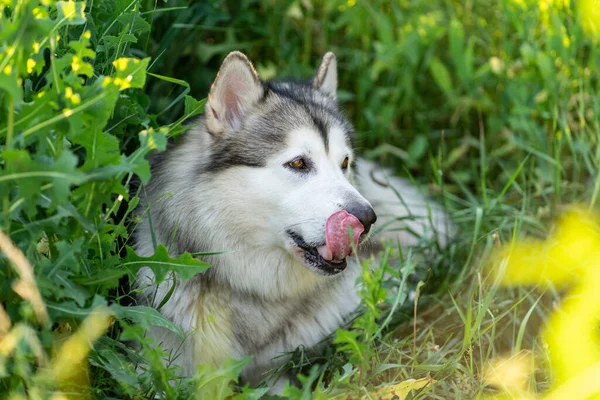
<point x="337" y="240"/>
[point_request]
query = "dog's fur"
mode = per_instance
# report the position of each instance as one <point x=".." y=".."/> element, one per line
<point x="227" y="185"/>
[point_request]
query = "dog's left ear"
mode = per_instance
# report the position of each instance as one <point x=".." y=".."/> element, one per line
<point x="326" y="78"/>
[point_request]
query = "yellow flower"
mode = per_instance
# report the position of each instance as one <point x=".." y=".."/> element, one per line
<point x="570" y="257"/>
<point x="30" y="65"/>
<point x="75" y="64"/>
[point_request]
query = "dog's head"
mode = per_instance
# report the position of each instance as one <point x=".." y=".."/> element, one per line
<point x="282" y="152"/>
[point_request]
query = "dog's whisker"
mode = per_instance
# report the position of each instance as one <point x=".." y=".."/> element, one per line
<point x="306" y="221"/>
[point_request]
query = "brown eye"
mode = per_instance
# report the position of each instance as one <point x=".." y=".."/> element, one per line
<point x="345" y="163"/>
<point x="297" y="164"/>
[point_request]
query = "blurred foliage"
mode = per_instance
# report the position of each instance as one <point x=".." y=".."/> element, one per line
<point x="430" y="85"/>
<point x="74" y="132"/>
<point x="494" y="104"/>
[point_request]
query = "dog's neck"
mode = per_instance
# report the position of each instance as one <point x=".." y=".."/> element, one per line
<point x="284" y="278"/>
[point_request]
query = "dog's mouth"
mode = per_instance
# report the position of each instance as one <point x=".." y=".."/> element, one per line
<point x="342" y="233"/>
<point x="312" y="258"/>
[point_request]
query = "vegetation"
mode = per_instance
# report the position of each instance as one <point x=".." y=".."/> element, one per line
<point x="492" y="106"/>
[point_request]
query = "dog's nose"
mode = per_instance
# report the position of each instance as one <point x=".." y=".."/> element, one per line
<point x="364" y="213"/>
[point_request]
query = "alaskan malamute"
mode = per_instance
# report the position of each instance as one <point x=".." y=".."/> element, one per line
<point x="269" y="177"/>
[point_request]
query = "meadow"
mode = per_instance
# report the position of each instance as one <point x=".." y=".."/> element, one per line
<point x="491" y="107"/>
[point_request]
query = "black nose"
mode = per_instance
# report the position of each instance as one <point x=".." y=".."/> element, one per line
<point x="364" y="213"/>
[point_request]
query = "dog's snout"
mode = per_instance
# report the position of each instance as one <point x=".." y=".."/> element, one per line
<point x="364" y="213"/>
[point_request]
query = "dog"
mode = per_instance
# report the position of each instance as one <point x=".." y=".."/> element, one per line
<point x="268" y="176"/>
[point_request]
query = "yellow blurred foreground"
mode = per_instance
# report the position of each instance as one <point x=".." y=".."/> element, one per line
<point x="569" y="259"/>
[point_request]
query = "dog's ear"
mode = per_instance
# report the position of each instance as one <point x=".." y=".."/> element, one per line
<point x="326" y="77"/>
<point x="235" y="90"/>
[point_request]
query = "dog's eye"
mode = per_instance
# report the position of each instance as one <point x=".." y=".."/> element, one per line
<point x="297" y="163"/>
<point x="345" y="163"/>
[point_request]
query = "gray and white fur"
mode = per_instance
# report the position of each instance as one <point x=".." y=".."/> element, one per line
<point x="231" y="184"/>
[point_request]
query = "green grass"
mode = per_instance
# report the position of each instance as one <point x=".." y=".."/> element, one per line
<point x="492" y="107"/>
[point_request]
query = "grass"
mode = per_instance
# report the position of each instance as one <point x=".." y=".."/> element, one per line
<point x="491" y="107"/>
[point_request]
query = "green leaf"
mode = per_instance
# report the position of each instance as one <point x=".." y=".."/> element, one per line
<point x="154" y="139"/>
<point x="114" y="362"/>
<point x="545" y="66"/>
<point x="130" y="72"/>
<point x="109" y="278"/>
<point x="101" y="149"/>
<point x="400" y="391"/>
<point x="215" y="383"/>
<point x="134" y="23"/>
<point x="306" y="392"/>
<point x="441" y="76"/>
<point x="171" y="80"/>
<point x="70" y="289"/>
<point x="146" y="317"/>
<point x="456" y="36"/>
<point x="30" y="175"/>
<point x="468" y="61"/>
<point x="125" y="38"/>
<point x="150" y="139"/>
<point x="418" y="147"/>
<point x="350" y="342"/>
<point x="384" y="27"/>
<point x="141" y="168"/>
<point x="249" y="393"/>
<point x="73" y="310"/>
<point x="185" y="266"/>
<point x="193" y="107"/>
<point x="71" y="12"/>
<point x="8" y="82"/>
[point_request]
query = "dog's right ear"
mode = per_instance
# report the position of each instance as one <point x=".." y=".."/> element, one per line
<point x="326" y="78"/>
<point x="235" y="90"/>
